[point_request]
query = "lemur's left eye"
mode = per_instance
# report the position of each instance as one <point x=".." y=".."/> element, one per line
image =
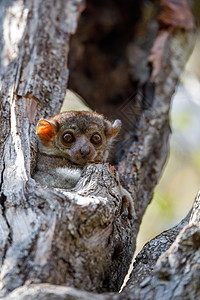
<point x="68" y="138"/>
<point x="96" y="139"/>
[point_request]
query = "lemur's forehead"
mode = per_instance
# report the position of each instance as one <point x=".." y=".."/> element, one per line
<point x="83" y="127"/>
<point x="82" y="121"/>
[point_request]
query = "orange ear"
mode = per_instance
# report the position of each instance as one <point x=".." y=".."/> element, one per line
<point x="113" y="129"/>
<point x="46" y="130"/>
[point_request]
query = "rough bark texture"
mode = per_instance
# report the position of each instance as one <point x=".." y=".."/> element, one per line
<point x="175" y="275"/>
<point x="54" y="241"/>
<point x="147" y="258"/>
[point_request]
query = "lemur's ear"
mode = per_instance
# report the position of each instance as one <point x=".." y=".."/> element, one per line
<point x="46" y="130"/>
<point x="112" y="129"/>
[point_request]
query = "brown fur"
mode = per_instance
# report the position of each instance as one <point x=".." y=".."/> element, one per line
<point x="82" y="124"/>
<point x="57" y="160"/>
<point x="60" y="163"/>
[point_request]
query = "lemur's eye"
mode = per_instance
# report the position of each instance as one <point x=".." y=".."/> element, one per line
<point x="96" y="139"/>
<point x="68" y="138"/>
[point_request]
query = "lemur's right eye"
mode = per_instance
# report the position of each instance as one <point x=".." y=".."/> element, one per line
<point x="96" y="139"/>
<point x="68" y="138"/>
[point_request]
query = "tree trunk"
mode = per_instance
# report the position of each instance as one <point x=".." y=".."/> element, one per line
<point x="73" y="244"/>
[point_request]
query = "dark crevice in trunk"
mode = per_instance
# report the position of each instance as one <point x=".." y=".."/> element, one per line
<point x="2" y="196"/>
<point x="2" y="203"/>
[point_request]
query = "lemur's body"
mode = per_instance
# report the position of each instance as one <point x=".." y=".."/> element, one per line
<point x="68" y="142"/>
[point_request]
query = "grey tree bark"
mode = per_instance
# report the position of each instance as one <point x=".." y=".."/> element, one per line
<point x="61" y="244"/>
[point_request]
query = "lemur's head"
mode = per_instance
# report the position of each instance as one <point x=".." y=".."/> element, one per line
<point x="79" y="136"/>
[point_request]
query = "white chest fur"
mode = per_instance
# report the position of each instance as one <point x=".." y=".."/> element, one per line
<point x="63" y="177"/>
<point x="69" y="174"/>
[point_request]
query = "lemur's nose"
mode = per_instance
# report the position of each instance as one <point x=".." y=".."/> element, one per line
<point x="85" y="151"/>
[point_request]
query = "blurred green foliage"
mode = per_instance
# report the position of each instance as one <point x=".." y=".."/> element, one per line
<point x="182" y="120"/>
